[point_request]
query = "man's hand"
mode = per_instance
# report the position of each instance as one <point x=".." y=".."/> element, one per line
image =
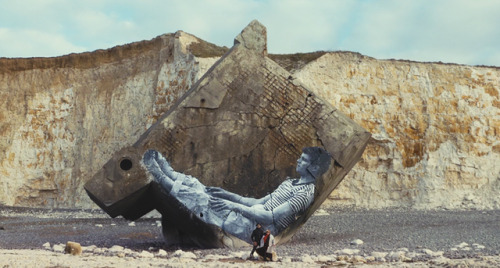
<point x="217" y="192"/>
<point x="218" y="204"/>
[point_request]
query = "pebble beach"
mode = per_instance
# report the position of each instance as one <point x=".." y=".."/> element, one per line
<point x="346" y="238"/>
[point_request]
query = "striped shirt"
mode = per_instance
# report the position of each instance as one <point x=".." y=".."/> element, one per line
<point x="299" y="196"/>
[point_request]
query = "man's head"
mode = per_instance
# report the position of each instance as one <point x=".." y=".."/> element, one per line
<point x="268" y="232"/>
<point x="258" y="226"/>
<point x="316" y="160"/>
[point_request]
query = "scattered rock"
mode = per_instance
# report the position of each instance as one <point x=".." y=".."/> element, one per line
<point x="58" y="248"/>
<point x="98" y="251"/>
<point x="379" y="255"/>
<point x="89" y="249"/>
<point x="177" y="253"/>
<point x="321" y="212"/>
<point x="443" y="261"/>
<point x="131" y="223"/>
<point x="146" y="254"/>
<point x="116" y="249"/>
<point x="433" y="254"/>
<point x="307" y="259"/>
<point x="396" y="256"/>
<point x="358" y="259"/>
<point x="162" y="253"/>
<point x="73" y="248"/>
<point x="343" y="258"/>
<point x="347" y="251"/>
<point x="323" y="258"/>
<point x="414" y="255"/>
<point x="129" y="252"/>
<point x="478" y="246"/>
<point x="370" y="259"/>
<point x="184" y="254"/>
<point x="189" y="255"/>
<point x="462" y="246"/>
<point x="357" y="242"/>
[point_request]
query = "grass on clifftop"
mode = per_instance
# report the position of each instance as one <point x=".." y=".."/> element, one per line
<point x="295" y="61"/>
<point x="203" y="49"/>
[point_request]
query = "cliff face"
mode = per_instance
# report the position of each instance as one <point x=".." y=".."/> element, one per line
<point x="435" y="127"/>
<point x="62" y="118"/>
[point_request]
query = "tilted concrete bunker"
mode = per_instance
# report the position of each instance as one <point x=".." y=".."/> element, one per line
<point x="241" y="127"/>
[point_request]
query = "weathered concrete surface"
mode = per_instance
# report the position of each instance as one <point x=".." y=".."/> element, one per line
<point x="253" y="37"/>
<point x="241" y="127"/>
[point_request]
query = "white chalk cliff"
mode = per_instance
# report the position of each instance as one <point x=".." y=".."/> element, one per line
<point x="435" y="130"/>
<point x="435" y="126"/>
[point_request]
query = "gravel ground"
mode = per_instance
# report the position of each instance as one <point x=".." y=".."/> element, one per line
<point x="331" y="237"/>
<point x="394" y="229"/>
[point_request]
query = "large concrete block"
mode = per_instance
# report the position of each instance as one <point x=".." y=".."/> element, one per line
<point x="241" y="127"/>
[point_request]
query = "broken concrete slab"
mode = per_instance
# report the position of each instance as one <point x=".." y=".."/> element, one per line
<point x="241" y="127"/>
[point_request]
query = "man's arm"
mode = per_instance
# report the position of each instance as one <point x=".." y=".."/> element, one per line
<point x="246" y="201"/>
<point x="256" y="212"/>
<point x="261" y="215"/>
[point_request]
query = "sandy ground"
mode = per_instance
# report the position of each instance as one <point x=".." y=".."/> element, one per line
<point x="42" y="258"/>
<point x="396" y="238"/>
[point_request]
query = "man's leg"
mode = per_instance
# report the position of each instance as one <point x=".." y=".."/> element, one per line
<point x="154" y="162"/>
<point x="253" y="250"/>
<point x="262" y="252"/>
<point x="169" y="179"/>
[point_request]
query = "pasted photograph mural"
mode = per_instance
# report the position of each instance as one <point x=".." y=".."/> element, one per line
<point x="233" y="213"/>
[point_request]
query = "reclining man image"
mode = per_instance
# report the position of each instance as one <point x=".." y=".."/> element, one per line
<point x="235" y="214"/>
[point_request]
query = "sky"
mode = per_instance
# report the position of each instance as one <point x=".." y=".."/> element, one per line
<point x="450" y="31"/>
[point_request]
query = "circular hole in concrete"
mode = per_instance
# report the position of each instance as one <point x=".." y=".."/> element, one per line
<point x="126" y="164"/>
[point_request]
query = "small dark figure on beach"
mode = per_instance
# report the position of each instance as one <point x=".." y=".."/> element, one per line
<point x="256" y="236"/>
